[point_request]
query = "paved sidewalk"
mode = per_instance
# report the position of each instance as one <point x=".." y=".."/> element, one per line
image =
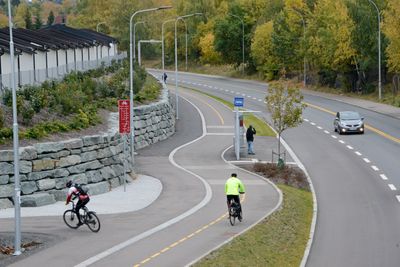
<point x="139" y="194"/>
<point x="366" y="104"/>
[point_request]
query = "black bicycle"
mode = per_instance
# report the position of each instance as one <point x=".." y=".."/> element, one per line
<point x="234" y="212"/>
<point x="87" y="217"/>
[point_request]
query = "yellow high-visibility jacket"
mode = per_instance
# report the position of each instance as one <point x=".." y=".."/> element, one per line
<point x="234" y="186"/>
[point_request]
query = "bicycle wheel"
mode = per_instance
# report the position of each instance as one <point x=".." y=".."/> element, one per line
<point x="240" y="216"/>
<point x="93" y="222"/>
<point x="232" y="216"/>
<point x="70" y="219"/>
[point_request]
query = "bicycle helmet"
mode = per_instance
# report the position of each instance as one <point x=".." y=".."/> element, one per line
<point x="69" y="184"/>
<point x="234" y="175"/>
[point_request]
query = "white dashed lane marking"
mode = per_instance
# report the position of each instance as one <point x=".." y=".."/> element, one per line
<point x="398" y="198"/>
<point x="384" y="177"/>
<point x="325" y="131"/>
<point x="358" y="153"/>
<point x="375" y="168"/>
<point x="341" y="141"/>
<point x="319" y="127"/>
<point x="392" y="187"/>
<point x="366" y="160"/>
<point x="349" y="147"/>
<point x="312" y="123"/>
<point x="334" y="136"/>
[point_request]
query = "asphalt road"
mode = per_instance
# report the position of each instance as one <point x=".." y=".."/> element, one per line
<point x="187" y="220"/>
<point x="356" y="177"/>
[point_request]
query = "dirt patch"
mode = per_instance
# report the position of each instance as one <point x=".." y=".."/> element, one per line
<point x="288" y="175"/>
<point x="30" y="242"/>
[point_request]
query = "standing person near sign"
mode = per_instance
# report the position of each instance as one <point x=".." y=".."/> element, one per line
<point x="165" y="76"/>
<point x="250" y="139"/>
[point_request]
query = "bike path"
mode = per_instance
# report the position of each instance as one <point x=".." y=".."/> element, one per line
<point x="129" y="238"/>
<point x="195" y="235"/>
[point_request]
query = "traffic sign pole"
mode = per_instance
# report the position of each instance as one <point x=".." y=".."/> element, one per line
<point x="124" y="128"/>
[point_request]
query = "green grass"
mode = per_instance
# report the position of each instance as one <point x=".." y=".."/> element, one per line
<point x="279" y="240"/>
<point x="249" y="119"/>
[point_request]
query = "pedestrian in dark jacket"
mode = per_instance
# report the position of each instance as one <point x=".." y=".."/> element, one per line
<point x="250" y="139"/>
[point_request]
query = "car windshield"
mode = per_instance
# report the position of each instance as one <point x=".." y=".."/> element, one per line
<point x="350" y="116"/>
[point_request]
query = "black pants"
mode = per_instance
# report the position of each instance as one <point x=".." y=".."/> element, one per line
<point x="236" y="198"/>
<point x="79" y="205"/>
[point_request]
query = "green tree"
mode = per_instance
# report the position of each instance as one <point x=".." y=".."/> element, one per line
<point x="50" y="18"/>
<point x="38" y="19"/>
<point x="28" y="20"/>
<point x="286" y="107"/>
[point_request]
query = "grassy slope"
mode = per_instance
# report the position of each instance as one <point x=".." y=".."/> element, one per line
<point x="279" y="240"/>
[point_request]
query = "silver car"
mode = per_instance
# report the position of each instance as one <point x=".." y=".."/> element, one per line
<point x="348" y="122"/>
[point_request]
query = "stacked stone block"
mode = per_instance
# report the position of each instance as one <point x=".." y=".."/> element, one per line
<point x="97" y="161"/>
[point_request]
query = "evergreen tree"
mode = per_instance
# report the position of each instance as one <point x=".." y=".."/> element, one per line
<point x="38" y="20"/>
<point x="50" y="18"/>
<point x="28" y="20"/>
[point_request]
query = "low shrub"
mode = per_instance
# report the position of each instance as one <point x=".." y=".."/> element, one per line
<point x="1" y="118"/>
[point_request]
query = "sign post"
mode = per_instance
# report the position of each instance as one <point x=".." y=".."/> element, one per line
<point x="238" y="102"/>
<point x="124" y="127"/>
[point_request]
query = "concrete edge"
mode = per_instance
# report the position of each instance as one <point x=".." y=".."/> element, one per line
<point x="315" y="204"/>
<point x="277" y="206"/>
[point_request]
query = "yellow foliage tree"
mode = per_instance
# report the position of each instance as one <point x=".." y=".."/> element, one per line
<point x="3" y="20"/>
<point x="208" y="53"/>
<point x="329" y="35"/>
<point x="262" y="50"/>
<point x="392" y="32"/>
<point x="19" y="19"/>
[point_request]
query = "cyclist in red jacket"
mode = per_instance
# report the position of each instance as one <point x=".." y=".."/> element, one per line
<point x="75" y="190"/>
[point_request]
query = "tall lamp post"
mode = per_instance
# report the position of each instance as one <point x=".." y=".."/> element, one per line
<point x="304" y="38"/>
<point x="379" y="48"/>
<point x="162" y="43"/>
<point x="241" y="21"/>
<point x="134" y="38"/>
<point x="176" y="59"/>
<point x="17" y="187"/>
<point x="131" y="72"/>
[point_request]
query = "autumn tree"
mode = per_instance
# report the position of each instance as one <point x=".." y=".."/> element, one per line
<point x="20" y="14"/>
<point x="392" y="31"/>
<point x="286" y="107"/>
<point x="28" y="20"/>
<point x="329" y="35"/>
<point x="262" y="51"/>
<point x="3" y="20"/>
<point x="38" y="19"/>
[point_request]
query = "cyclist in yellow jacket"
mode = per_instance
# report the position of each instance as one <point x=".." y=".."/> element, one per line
<point x="234" y="187"/>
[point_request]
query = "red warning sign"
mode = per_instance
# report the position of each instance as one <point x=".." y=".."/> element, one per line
<point x="124" y="116"/>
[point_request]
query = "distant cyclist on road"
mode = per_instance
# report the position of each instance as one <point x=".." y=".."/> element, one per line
<point x="76" y="190"/>
<point x="234" y="187"/>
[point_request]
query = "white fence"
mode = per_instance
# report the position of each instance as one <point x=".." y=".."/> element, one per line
<point x="38" y="76"/>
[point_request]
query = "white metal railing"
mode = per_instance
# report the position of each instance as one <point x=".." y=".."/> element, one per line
<point x="56" y="73"/>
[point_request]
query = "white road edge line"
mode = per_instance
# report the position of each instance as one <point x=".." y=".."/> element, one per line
<point x="166" y="224"/>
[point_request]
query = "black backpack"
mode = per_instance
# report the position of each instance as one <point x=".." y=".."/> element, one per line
<point x="82" y="190"/>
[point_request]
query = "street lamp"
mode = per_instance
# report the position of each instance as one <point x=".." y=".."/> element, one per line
<point x="162" y="43"/>
<point x="145" y="42"/>
<point x="98" y="24"/>
<point x="241" y="21"/>
<point x="176" y="59"/>
<point x="304" y="38"/>
<point x="134" y="38"/>
<point x="131" y="72"/>
<point x="379" y="48"/>
<point x="17" y="187"/>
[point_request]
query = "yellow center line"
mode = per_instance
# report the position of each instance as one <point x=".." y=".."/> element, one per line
<point x="214" y="109"/>
<point x="185" y="238"/>
<point x="367" y="126"/>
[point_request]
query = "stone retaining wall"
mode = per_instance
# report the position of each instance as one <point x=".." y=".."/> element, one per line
<point x="97" y="161"/>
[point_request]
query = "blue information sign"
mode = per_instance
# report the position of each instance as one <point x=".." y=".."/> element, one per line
<point x="239" y="101"/>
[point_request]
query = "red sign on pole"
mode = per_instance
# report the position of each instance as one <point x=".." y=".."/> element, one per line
<point x="124" y="116"/>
